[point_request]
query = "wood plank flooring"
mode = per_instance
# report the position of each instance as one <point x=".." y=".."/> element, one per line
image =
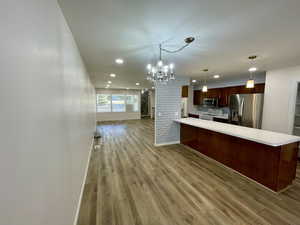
<point x="131" y="182"/>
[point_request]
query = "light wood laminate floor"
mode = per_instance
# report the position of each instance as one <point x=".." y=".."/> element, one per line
<point x="132" y="182"/>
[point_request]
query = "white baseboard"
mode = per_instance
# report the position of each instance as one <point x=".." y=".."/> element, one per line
<point x="83" y="184"/>
<point x="167" y="143"/>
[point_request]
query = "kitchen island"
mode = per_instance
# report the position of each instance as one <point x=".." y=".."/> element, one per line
<point x="269" y="158"/>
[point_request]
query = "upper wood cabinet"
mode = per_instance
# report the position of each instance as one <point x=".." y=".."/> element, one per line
<point x="213" y="93"/>
<point x="223" y="100"/>
<point x="197" y="97"/>
<point x="223" y="94"/>
<point x="185" y="92"/>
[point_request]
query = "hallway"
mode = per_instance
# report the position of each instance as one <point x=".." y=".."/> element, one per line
<point x="130" y="181"/>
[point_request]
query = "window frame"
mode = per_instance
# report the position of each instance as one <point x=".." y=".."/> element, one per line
<point x="97" y="105"/>
<point x="125" y="102"/>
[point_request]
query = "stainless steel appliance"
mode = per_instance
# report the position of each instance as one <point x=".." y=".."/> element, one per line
<point x="210" y="102"/>
<point x="246" y="110"/>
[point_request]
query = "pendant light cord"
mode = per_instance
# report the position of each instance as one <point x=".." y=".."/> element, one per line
<point x="174" y="51"/>
<point x="160" y="49"/>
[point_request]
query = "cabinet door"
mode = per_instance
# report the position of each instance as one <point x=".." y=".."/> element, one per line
<point x="193" y="116"/>
<point x="185" y="92"/>
<point x="197" y="97"/>
<point x="213" y="93"/>
<point x="244" y="90"/>
<point x="224" y="97"/>
<point x="259" y="88"/>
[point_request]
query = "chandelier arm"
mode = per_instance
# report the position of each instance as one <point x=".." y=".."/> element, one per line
<point x="174" y="51"/>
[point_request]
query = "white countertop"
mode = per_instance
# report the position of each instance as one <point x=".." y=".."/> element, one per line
<point x="252" y="134"/>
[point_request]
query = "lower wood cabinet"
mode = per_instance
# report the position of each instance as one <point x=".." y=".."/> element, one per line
<point x="193" y="115"/>
<point x="273" y="167"/>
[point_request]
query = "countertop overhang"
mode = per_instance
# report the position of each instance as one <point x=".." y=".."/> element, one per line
<point x="257" y="135"/>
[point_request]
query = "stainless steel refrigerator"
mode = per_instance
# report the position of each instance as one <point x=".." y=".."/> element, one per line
<point x="246" y="109"/>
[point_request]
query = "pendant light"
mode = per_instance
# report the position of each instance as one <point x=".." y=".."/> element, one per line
<point x="162" y="72"/>
<point x="250" y="82"/>
<point x="204" y="88"/>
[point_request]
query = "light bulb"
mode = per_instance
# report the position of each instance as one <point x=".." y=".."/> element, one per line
<point x="112" y="75"/>
<point x="109" y="82"/>
<point x="160" y="63"/>
<point x="149" y="66"/>
<point x="204" y="88"/>
<point x="216" y="76"/>
<point x="194" y="81"/>
<point x="153" y="70"/>
<point x="171" y="66"/>
<point x="166" y="68"/>
<point x="250" y="83"/>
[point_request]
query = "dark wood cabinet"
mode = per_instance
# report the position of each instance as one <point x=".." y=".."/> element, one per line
<point x="197" y="97"/>
<point x="224" y="98"/>
<point x="214" y="93"/>
<point x="273" y="167"/>
<point x="185" y="92"/>
<point x="223" y="94"/>
<point x="259" y="88"/>
<point x="193" y="115"/>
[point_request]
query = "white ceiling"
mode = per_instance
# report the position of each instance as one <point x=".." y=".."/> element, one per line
<point x="226" y="31"/>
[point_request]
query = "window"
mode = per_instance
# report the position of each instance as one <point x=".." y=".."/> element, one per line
<point x="132" y="103"/>
<point x="103" y="103"/>
<point x="118" y="103"/>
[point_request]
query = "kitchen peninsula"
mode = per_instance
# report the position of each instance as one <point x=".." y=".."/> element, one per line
<point x="267" y="157"/>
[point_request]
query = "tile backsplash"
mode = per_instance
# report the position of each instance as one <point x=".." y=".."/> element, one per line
<point x="213" y="110"/>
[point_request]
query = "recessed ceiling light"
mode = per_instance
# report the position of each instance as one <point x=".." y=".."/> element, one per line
<point x="252" y="69"/>
<point x="109" y="82"/>
<point x="194" y="81"/>
<point x="217" y="76"/>
<point x="119" y="61"/>
<point x="112" y="75"/>
<point x="137" y="84"/>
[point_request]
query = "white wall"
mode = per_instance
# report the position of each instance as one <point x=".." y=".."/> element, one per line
<point x="280" y="99"/>
<point x="113" y="116"/>
<point x="47" y="115"/>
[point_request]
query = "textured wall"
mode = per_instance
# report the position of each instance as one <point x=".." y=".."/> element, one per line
<point x="168" y="108"/>
<point x="47" y="115"/>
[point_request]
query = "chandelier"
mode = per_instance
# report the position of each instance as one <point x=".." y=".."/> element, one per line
<point x="164" y="72"/>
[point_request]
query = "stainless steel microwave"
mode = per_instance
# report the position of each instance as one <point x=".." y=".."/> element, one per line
<point x="210" y="102"/>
